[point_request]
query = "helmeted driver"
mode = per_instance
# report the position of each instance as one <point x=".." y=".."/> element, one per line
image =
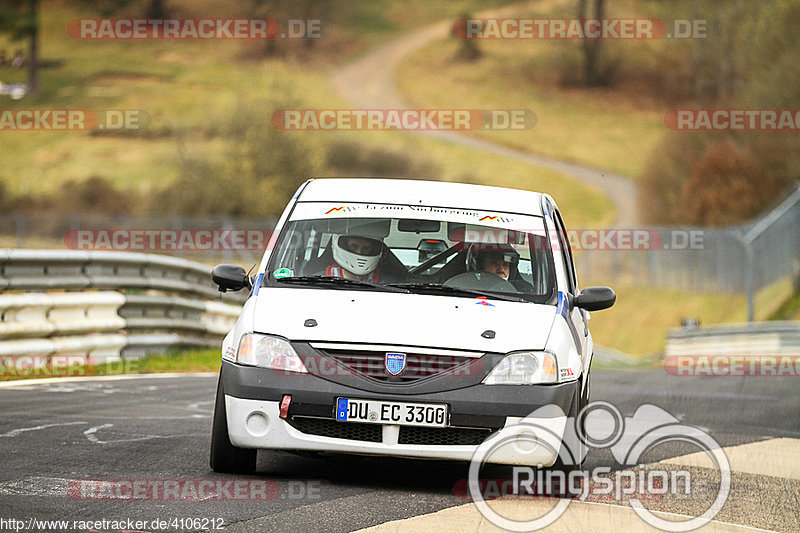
<point x="497" y="259"/>
<point x="493" y="258"/>
<point x="356" y="257"/>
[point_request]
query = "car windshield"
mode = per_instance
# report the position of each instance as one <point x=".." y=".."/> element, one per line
<point x="458" y="253"/>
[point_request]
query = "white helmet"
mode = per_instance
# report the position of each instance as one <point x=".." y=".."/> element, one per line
<point x="356" y="254"/>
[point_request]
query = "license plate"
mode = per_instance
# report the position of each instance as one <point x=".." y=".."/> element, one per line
<point x="397" y="413"/>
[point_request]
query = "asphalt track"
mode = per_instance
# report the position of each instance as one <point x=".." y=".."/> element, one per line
<point x="158" y="428"/>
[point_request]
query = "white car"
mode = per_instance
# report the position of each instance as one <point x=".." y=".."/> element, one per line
<point x="404" y="318"/>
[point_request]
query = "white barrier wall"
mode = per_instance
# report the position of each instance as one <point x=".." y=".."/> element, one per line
<point x="108" y="305"/>
<point x="758" y="338"/>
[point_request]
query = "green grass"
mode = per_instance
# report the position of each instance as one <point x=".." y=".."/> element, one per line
<point x="640" y="319"/>
<point x="177" y="362"/>
<point x="379" y="20"/>
<point x="185" y="88"/>
<point x="191" y="361"/>
<point x="189" y="88"/>
<point x="789" y="310"/>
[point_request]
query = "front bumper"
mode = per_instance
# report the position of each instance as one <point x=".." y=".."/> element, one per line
<point x="477" y="412"/>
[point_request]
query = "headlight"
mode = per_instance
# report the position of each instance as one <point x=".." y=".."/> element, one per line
<point x="524" y="368"/>
<point x="269" y="352"/>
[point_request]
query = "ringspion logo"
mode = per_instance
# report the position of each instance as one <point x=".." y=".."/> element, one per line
<point x="549" y="432"/>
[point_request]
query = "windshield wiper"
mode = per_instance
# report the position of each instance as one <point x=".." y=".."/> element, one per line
<point x="438" y="287"/>
<point x="335" y="280"/>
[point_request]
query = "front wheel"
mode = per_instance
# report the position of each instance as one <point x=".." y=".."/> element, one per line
<point x="575" y="450"/>
<point x="225" y="457"/>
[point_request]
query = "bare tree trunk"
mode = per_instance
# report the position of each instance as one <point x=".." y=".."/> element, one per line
<point x="582" y="15"/>
<point x="275" y="9"/>
<point x="157" y="9"/>
<point x="591" y="47"/>
<point x="33" y="47"/>
<point x="699" y="49"/>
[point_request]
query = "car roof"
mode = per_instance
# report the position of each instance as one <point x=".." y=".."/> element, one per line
<point x="422" y="192"/>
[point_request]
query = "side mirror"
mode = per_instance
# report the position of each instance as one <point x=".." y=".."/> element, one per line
<point x="230" y="277"/>
<point x="595" y="298"/>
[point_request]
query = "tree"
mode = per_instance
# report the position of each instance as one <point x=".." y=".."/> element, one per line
<point x="279" y="10"/>
<point x="264" y="9"/>
<point x="19" y="18"/>
<point x="722" y="62"/>
<point x="591" y="47"/>
<point x="727" y="185"/>
<point x="157" y="9"/>
<point x="259" y="170"/>
<point x="747" y="62"/>
<point x="468" y="49"/>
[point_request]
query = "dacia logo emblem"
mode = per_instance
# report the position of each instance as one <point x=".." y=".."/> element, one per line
<point x="395" y="363"/>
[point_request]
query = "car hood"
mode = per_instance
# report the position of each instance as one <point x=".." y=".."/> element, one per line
<point x="388" y="318"/>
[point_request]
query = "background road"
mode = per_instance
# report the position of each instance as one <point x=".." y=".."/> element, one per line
<point x="159" y="428"/>
<point x="369" y="83"/>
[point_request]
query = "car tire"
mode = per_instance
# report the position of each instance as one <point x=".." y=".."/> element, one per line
<point x="579" y="401"/>
<point x="225" y="457"/>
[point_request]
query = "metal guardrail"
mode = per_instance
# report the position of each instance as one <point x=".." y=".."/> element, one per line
<point x="30" y="270"/>
<point x="108" y="305"/>
<point x="757" y="338"/>
<point x="737" y="259"/>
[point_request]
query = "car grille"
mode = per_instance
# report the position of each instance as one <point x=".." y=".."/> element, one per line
<point x="421" y="436"/>
<point x="451" y="436"/>
<point x="418" y="366"/>
<point x="327" y="427"/>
